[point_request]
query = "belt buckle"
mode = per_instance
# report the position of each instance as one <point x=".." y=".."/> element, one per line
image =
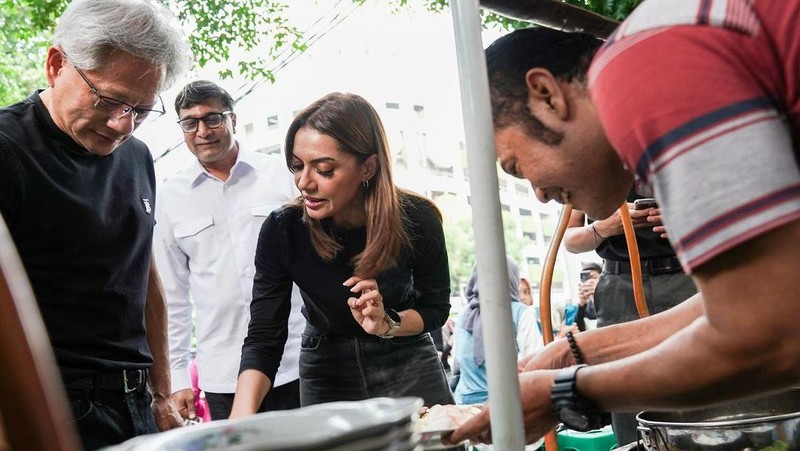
<point x="666" y="269"/>
<point x="125" y="381"/>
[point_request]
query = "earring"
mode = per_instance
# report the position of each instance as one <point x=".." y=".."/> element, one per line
<point x="365" y="184"/>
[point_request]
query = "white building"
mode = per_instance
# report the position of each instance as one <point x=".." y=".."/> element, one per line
<point x="405" y="65"/>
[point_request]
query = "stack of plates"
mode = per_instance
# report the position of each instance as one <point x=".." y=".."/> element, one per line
<point x="370" y="425"/>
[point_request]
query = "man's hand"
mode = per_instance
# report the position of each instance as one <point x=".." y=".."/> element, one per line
<point x="523" y="363"/>
<point x="612" y="225"/>
<point x="184" y="401"/>
<point x="562" y="332"/>
<point x="536" y="411"/>
<point x="586" y="290"/>
<point x="555" y="355"/>
<point x="654" y="218"/>
<point x="167" y="416"/>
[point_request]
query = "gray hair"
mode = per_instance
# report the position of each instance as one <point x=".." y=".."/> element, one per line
<point x="89" y="30"/>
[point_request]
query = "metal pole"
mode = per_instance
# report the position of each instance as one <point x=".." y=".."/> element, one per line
<point x="498" y="337"/>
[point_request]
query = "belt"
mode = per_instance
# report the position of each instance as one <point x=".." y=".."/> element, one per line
<point x="329" y="337"/>
<point x="126" y="381"/>
<point x="653" y="267"/>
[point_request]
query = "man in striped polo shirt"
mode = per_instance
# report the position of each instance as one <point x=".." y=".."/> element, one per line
<point x="698" y="102"/>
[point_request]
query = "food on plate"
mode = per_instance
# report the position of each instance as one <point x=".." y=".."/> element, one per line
<point x="445" y="417"/>
<point x="439" y="421"/>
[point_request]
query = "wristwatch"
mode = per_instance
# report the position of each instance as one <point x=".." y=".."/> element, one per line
<point x="393" y="319"/>
<point x="573" y="409"/>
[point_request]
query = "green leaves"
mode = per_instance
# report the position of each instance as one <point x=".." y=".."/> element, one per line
<point x="614" y="9"/>
<point x="245" y="36"/>
<point x="22" y="52"/>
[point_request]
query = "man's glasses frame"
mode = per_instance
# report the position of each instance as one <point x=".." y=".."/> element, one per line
<point x="211" y="120"/>
<point x="110" y="105"/>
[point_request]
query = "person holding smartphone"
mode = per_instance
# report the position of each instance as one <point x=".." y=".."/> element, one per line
<point x="665" y="284"/>
<point x="590" y="273"/>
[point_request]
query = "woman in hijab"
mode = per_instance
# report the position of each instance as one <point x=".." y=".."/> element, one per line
<point x="472" y="386"/>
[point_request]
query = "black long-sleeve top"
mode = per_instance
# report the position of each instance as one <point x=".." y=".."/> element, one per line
<point x="420" y="280"/>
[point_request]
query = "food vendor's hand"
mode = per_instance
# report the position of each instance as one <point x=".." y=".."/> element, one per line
<point x="555" y="355"/>
<point x="184" y="401"/>
<point x="477" y="429"/>
<point x="536" y="411"/>
<point x="367" y="309"/>
<point x="167" y="416"/>
<point x="523" y="362"/>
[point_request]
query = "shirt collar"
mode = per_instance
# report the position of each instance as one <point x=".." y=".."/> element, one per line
<point x="196" y="172"/>
<point x="245" y="158"/>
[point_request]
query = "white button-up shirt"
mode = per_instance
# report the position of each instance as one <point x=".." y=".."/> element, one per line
<point x="205" y="241"/>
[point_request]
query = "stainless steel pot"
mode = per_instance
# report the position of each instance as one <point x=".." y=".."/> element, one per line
<point x="765" y="423"/>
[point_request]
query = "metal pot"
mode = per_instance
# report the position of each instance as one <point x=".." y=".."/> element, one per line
<point x="767" y="423"/>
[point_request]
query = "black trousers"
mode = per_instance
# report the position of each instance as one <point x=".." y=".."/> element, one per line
<point x="614" y="302"/>
<point x="283" y="397"/>
<point x="106" y="410"/>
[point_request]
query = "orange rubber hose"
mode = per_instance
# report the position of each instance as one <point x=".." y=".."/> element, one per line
<point x="636" y="265"/>
<point x="546" y="283"/>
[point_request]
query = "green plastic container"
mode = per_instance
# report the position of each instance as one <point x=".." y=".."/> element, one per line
<point x="597" y="440"/>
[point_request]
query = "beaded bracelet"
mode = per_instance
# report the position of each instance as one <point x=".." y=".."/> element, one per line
<point x="573" y="346"/>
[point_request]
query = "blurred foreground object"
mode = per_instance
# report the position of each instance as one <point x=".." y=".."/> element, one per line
<point x="29" y="383"/>
<point x="378" y="423"/>
<point x="554" y="14"/>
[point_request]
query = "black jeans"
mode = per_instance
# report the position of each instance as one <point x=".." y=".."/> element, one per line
<point x="105" y="417"/>
<point x="353" y="368"/>
<point x="283" y="397"/>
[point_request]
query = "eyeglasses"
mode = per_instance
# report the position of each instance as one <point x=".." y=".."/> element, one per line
<point x="212" y="120"/>
<point x="118" y="108"/>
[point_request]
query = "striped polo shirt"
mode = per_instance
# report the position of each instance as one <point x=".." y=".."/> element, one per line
<point x="702" y="99"/>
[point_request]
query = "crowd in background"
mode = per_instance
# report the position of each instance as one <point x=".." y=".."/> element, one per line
<point x="314" y="278"/>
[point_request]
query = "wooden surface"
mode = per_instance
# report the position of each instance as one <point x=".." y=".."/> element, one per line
<point x="34" y="415"/>
<point x="3" y="442"/>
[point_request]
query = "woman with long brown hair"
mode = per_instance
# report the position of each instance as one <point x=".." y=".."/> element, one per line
<point x="370" y="262"/>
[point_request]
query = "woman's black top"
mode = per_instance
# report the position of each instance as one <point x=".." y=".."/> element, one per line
<point x="420" y="280"/>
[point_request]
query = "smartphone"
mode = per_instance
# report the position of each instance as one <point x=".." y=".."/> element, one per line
<point x="644" y="204"/>
<point x="585" y="275"/>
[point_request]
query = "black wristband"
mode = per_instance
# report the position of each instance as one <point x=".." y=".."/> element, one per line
<point x="573" y="346"/>
<point x="576" y="411"/>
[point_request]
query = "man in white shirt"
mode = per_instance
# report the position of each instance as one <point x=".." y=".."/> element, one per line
<point x="208" y="220"/>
